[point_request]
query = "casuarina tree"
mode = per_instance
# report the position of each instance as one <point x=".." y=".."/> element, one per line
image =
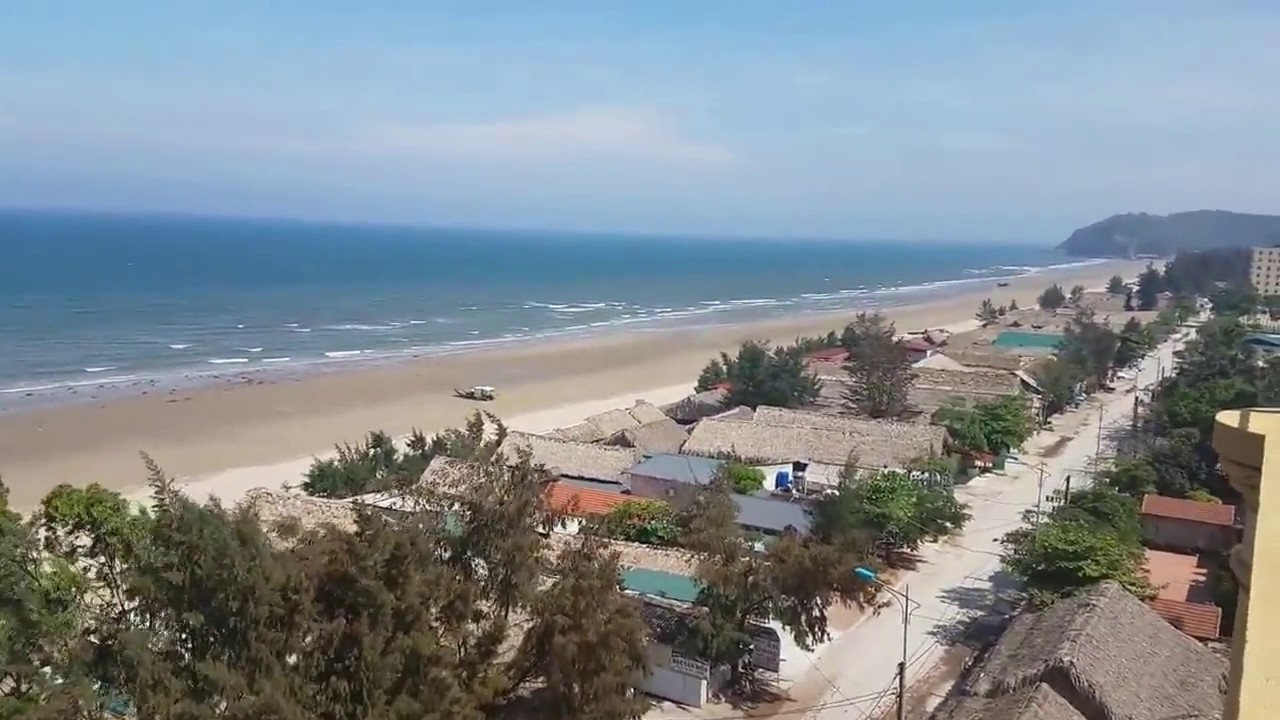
<point x="878" y="369"/>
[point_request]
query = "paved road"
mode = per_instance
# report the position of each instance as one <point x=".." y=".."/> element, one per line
<point x="957" y="579"/>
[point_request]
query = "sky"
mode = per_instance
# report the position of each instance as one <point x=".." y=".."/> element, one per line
<point x="910" y="119"/>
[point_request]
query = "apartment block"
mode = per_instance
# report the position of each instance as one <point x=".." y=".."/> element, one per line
<point x="1264" y="270"/>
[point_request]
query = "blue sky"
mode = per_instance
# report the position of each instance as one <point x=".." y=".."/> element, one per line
<point x="1001" y="120"/>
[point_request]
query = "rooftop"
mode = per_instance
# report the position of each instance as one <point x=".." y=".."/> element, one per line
<point x="781" y="435"/>
<point x="610" y="422"/>
<point x="697" y="406"/>
<point x="1192" y="510"/>
<point x="1182" y="593"/>
<point x="660" y="436"/>
<point x="580" y="501"/>
<point x="1105" y="654"/>
<point x="770" y="513"/>
<point x="687" y="469"/>
<point x="573" y="459"/>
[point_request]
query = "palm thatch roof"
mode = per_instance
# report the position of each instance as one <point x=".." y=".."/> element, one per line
<point x="781" y="435"/>
<point x="604" y="425"/>
<point x="1108" y="656"/>
<point x="662" y="436"/>
<point x="990" y="358"/>
<point x="988" y="381"/>
<point x="1036" y="703"/>
<point x="573" y="459"/>
<point x="282" y="514"/>
<point x="697" y="406"/>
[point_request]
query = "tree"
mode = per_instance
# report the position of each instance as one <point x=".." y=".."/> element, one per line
<point x="1052" y="298"/>
<point x="987" y="313"/>
<point x="373" y="465"/>
<point x="587" y="642"/>
<point x="1134" y="477"/>
<point x="1077" y="294"/>
<point x="652" y="522"/>
<point x="745" y="479"/>
<point x="1115" y="285"/>
<point x="1105" y="508"/>
<point x="1150" y="285"/>
<point x="1060" y="381"/>
<point x="898" y="511"/>
<point x="1134" y="341"/>
<point x="878" y="368"/>
<point x="1013" y="304"/>
<point x="1061" y="557"/>
<point x="1089" y="346"/>
<point x="763" y="375"/>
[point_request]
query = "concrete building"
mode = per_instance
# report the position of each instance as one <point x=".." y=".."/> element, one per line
<point x="1248" y="445"/>
<point x="1264" y="270"/>
<point x="1187" y="525"/>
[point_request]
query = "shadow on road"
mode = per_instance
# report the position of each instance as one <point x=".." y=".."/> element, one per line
<point x="974" y="606"/>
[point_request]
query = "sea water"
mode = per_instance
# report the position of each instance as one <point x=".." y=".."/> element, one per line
<point x="97" y="300"/>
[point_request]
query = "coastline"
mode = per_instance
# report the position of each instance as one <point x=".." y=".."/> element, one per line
<point x="263" y="431"/>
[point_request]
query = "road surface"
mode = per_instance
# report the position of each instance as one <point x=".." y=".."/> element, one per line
<point x="957" y="580"/>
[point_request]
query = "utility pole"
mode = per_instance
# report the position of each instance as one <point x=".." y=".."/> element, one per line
<point x="1066" y="491"/>
<point x="1098" y="452"/>
<point x="902" y="666"/>
<point x="1039" y="493"/>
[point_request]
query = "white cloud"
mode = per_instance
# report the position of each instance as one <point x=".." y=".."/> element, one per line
<point x="597" y="132"/>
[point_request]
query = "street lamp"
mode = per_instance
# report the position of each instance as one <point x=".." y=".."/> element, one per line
<point x="868" y="575"/>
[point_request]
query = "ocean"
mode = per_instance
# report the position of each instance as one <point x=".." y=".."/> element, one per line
<point x="95" y="300"/>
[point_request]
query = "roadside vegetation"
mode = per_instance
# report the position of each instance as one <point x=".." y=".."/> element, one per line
<point x="1094" y="534"/>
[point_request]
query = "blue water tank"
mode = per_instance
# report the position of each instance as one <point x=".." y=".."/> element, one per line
<point x="782" y="481"/>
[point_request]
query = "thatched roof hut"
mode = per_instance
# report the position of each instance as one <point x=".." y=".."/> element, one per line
<point x="587" y="461"/>
<point x="662" y="436"/>
<point x="781" y="435"/>
<point x="604" y="425"/>
<point x="1105" y="654"/>
<point x="282" y="514"/>
<point x="1035" y="703"/>
<point x="697" y="406"/>
<point x="988" y="358"/>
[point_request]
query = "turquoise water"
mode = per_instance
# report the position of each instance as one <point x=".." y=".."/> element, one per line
<point x="92" y="301"/>
<point x="1018" y="338"/>
<point x="662" y="584"/>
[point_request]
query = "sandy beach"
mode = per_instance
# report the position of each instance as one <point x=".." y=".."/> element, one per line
<point x="232" y="437"/>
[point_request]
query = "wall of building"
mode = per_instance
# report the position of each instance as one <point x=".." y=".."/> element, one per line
<point x="1186" y="535"/>
<point x="1248" y="445"/>
<point x="676" y="493"/>
<point x="1264" y="271"/>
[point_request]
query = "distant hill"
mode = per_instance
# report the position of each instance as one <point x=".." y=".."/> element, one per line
<point x="1142" y="234"/>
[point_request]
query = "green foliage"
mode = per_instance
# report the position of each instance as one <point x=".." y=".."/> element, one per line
<point x="763" y="375"/>
<point x="1052" y="298"/>
<point x="898" y="511"/>
<point x="745" y="479"/>
<point x="1135" y="341"/>
<point x="1062" y="557"/>
<point x="1198" y="272"/>
<point x="1115" y="285"/>
<point x="1134" y="477"/>
<point x="1090" y="347"/>
<point x="1150" y="285"/>
<point x="198" y="612"/>
<point x="1104" y="508"/>
<point x="1059" y="379"/>
<point x="1077" y="294"/>
<point x="987" y="313"/>
<point x="652" y="522"/>
<point x="1234" y="302"/>
<point x="1132" y="234"/>
<point x="879" y="368"/>
<point x="366" y="467"/>
<point x="1013" y="304"/>
<point x="995" y="426"/>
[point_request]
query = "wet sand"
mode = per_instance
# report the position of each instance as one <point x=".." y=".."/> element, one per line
<point x="262" y="432"/>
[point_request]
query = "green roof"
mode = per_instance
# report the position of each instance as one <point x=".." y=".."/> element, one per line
<point x="661" y="584"/>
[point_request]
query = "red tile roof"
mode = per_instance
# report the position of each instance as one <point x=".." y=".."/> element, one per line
<point x="918" y="345"/>
<point x="1199" y="620"/>
<point x="1193" y="510"/>
<point x="580" y="501"/>
<point x="829" y="355"/>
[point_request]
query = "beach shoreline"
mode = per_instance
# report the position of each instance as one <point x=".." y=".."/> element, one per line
<point x="262" y="432"/>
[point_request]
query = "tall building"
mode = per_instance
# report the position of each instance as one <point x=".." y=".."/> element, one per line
<point x="1264" y="270"/>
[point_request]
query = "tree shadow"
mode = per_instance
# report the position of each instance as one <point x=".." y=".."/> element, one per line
<point x="755" y="690"/>
<point x="975" y="609"/>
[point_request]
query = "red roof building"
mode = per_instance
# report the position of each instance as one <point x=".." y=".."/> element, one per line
<point x="1191" y="510"/>
<point x="582" y="502"/>
<point x="1182" y="593"/>
<point x="1188" y="525"/>
<point x="831" y="355"/>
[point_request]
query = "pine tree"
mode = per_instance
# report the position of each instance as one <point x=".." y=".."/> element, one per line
<point x="987" y="313"/>
<point x="879" y="368"/>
